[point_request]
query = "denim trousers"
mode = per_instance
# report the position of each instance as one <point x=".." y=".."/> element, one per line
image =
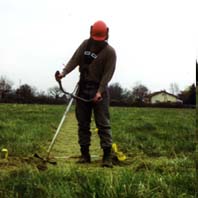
<point x="101" y="114"/>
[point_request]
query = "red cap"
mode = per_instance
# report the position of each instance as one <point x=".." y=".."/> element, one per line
<point x="99" y="31"/>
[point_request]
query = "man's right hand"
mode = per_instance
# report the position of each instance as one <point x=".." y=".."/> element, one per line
<point x="58" y="76"/>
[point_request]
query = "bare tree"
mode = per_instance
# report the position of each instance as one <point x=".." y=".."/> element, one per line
<point x="174" y="88"/>
<point x="5" y="86"/>
<point x="55" y="92"/>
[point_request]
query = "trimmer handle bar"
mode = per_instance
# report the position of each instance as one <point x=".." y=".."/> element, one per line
<point x="67" y="93"/>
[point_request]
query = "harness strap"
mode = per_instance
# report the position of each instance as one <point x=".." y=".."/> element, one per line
<point x="89" y="56"/>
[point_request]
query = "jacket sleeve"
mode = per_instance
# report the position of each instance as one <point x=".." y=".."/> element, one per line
<point x="75" y="59"/>
<point x="108" y="70"/>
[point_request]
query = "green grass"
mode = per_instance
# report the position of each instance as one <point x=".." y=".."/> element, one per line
<point x="25" y="127"/>
<point x="159" y="145"/>
<point x="156" y="132"/>
<point x="73" y="182"/>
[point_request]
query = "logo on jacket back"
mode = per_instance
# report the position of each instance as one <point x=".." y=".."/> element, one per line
<point x="89" y="56"/>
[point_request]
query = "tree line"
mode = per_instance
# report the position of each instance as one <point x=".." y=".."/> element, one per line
<point x="28" y="94"/>
<point x="136" y="96"/>
<point x="119" y="96"/>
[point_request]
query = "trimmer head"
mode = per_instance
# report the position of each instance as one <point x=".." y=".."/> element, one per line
<point x="45" y="160"/>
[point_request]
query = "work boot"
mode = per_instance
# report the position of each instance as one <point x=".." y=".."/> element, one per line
<point x="85" y="156"/>
<point x="106" y="160"/>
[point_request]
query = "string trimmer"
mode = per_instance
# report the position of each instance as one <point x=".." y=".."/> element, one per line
<point x="72" y="97"/>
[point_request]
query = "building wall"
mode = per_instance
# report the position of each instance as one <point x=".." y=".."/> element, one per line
<point x="162" y="97"/>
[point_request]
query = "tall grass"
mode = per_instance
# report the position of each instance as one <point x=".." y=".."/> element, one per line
<point x="24" y="128"/>
<point x="156" y="132"/>
<point x="76" y="182"/>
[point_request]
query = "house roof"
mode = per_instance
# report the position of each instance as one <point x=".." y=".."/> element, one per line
<point x="159" y="92"/>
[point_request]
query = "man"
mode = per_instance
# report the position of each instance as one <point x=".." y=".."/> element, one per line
<point x="96" y="60"/>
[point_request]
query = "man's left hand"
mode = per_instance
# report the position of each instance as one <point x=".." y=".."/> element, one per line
<point x="98" y="97"/>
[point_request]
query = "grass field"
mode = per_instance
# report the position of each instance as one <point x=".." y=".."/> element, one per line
<point x="159" y="145"/>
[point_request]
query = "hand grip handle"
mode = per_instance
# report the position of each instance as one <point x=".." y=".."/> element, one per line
<point x="56" y="75"/>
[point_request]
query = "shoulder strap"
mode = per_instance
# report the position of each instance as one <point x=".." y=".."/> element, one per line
<point x="89" y="55"/>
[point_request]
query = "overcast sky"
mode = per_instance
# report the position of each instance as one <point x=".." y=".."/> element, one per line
<point x="155" y="41"/>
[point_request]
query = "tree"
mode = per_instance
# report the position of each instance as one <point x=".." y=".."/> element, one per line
<point x="189" y="95"/>
<point x="192" y="95"/>
<point x="25" y="92"/>
<point x="174" y="88"/>
<point x="127" y="96"/>
<point x="139" y="92"/>
<point x="55" y="92"/>
<point x="5" y="86"/>
<point x="115" y="91"/>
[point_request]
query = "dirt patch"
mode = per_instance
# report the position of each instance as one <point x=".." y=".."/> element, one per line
<point x="13" y="163"/>
<point x="8" y="164"/>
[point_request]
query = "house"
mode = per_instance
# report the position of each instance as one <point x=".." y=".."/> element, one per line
<point x="162" y="97"/>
